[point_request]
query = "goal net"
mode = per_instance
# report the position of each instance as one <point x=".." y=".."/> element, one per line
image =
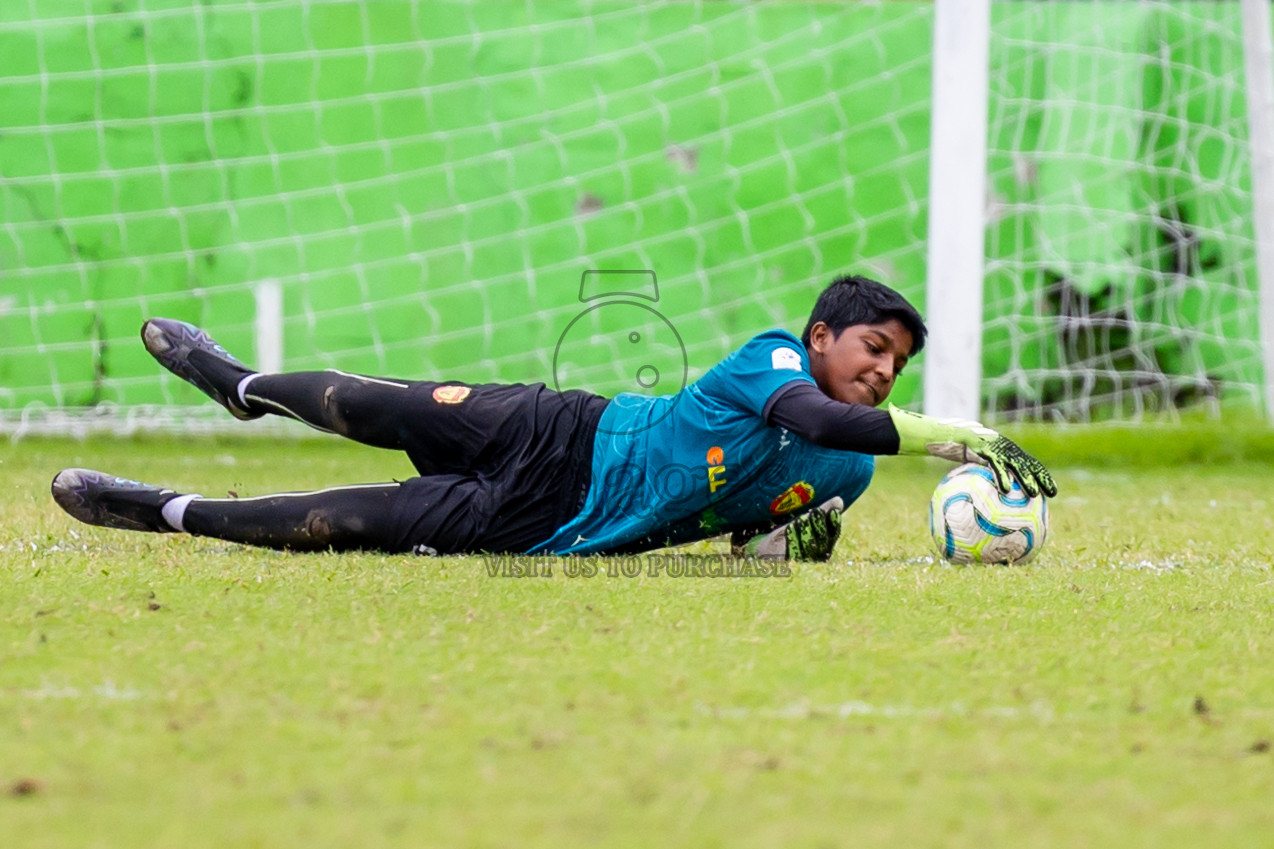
<point x="1120" y="261"/>
<point x="425" y="184"/>
<point x="424" y="189"/>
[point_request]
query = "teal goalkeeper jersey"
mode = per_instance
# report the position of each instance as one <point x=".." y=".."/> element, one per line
<point x="704" y="462"/>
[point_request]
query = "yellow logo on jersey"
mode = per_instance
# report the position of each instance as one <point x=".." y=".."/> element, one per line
<point x="716" y="466"/>
<point x="797" y="495"/>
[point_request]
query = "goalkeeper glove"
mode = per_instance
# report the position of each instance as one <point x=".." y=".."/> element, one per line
<point x="810" y="536"/>
<point x="970" y="442"/>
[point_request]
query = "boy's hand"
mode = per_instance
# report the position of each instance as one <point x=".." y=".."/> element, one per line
<point x="810" y="536"/>
<point x="970" y="442"/>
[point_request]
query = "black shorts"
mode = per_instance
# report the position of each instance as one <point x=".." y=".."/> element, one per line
<point x="502" y="466"/>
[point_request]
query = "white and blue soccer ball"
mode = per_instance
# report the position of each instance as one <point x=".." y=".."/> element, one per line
<point x="973" y="522"/>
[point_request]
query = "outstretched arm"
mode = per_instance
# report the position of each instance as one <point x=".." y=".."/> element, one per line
<point x="802" y="408"/>
<point x="807" y="412"/>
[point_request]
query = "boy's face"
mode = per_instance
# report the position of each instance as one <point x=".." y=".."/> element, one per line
<point x="861" y="364"/>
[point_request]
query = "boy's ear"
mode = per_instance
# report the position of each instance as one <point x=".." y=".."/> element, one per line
<point x="818" y="336"/>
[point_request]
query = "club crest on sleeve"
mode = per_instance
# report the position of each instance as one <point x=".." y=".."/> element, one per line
<point x="785" y="358"/>
<point x="797" y="495"/>
<point x="451" y="394"/>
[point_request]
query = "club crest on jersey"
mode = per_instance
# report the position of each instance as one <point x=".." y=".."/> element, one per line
<point x="785" y="358"/>
<point x="796" y="495"/>
<point x="451" y="394"/>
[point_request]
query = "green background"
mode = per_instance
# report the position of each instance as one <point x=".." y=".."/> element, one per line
<point x="428" y="182"/>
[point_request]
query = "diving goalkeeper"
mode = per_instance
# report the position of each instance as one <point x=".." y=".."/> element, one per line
<point x="770" y="445"/>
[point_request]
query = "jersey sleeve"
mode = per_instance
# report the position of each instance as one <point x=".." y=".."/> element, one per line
<point x="805" y="411"/>
<point x="751" y="375"/>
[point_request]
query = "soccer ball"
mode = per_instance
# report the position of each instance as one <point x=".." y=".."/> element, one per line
<point x="973" y="522"/>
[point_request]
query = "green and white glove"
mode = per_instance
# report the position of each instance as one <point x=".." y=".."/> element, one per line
<point x="811" y="536"/>
<point x="970" y="442"/>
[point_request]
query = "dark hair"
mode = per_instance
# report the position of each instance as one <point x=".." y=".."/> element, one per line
<point x="860" y="300"/>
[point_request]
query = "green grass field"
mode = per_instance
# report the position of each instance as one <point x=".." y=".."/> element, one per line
<point x="181" y="692"/>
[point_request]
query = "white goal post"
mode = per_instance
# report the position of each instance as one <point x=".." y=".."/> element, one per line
<point x="957" y="205"/>
<point x="1258" y="65"/>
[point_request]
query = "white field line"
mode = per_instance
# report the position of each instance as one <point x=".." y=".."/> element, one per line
<point x="1038" y="710"/>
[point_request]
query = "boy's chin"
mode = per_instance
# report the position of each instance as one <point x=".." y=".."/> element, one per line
<point x="869" y="396"/>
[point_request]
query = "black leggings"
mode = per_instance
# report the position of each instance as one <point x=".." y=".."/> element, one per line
<point x="347" y="518"/>
<point x="501" y="466"/>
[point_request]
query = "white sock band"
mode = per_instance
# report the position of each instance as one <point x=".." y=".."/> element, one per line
<point x="175" y="510"/>
<point x="243" y="389"/>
